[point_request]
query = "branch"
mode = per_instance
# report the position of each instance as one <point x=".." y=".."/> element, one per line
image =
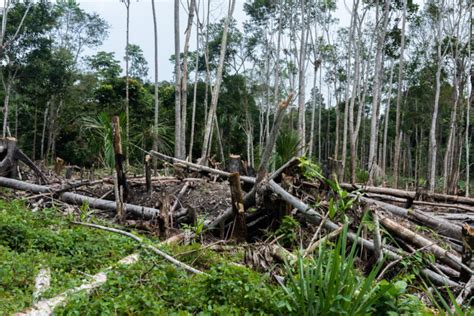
<point x="142" y="243"/>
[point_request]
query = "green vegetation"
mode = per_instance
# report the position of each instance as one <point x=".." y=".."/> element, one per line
<point x="328" y="283"/>
<point x="31" y="240"/>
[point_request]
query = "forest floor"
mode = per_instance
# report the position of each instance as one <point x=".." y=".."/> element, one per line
<point x="49" y="262"/>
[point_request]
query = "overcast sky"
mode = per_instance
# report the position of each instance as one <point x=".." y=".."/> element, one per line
<point x="141" y="27"/>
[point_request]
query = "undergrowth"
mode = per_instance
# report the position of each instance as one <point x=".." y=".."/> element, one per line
<point x="328" y="283"/>
<point x="32" y="240"/>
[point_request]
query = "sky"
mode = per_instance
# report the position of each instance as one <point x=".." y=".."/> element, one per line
<point x="141" y="27"/>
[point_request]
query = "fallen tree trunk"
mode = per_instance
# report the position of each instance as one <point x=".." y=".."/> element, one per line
<point x="312" y="216"/>
<point x="441" y="226"/>
<point x="410" y="194"/>
<point x="78" y="199"/>
<point x="450" y="206"/>
<point x="420" y="241"/>
<point x="198" y="167"/>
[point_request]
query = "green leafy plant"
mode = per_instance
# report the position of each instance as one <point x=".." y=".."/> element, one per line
<point x="286" y="147"/>
<point x="329" y="283"/>
<point x="344" y="200"/>
<point x="311" y="170"/>
<point x="100" y="132"/>
<point x="287" y="232"/>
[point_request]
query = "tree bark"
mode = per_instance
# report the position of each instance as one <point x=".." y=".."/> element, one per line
<point x="302" y="84"/>
<point x="239" y="231"/>
<point x="217" y="85"/>
<point x="127" y="83"/>
<point x="177" y="74"/>
<point x="387" y="116"/>
<point x="398" y="132"/>
<point x="433" y="146"/>
<point x="196" y="79"/>
<point x="184" y="83"/>
<point x="377" y="89"/>
<point x="157" y="101"/>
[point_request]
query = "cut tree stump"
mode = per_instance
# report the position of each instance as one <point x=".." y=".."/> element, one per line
<point x="239" y="232"/>
<point x="10" y="154"/>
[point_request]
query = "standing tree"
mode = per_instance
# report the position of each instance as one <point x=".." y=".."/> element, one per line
<point x="127" y="83"/>
<point x="157" y="102"/>
<point x="211" y="117"/>
<point x="177" y="74"/>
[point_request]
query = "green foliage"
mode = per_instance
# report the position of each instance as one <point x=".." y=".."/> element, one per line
<point x="447" y="304"/>
<point x="362" y="176"/>
<point x="330" y="284"/>
<point x="100" y="132"/>
<point x="29" y="241"/>
<point x="311" y="170"/>
<point x="138" y="63"/>
<point x="343" y="202"/>
<point x="286" y="147"/>
<point x="155" y="288"/>
<point x="287" y="232"/>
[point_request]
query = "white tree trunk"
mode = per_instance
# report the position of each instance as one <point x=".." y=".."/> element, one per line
<point x="217" y="85"/>
<point x="184" y="83"/>
<point x="177" y="73"/>
<point x="157" y="102"/>
<point x="377" y="88"/>
<point x="433" y="146"/>
<point x="301" y="84"/>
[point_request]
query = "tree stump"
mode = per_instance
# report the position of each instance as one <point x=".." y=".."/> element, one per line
<point x="10" y="154"/>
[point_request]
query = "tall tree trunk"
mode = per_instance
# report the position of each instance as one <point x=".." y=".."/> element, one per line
<point x="6" y="103"/>
<point x="319" y="113"/>
<point x="127" y="86"/>
<point x="184" y="83"/>
<point x="35" y="132"/>
<point x="387" y="116"/>
<point x="433" y="147"/>
<point x="206" y="60"/>
<point x="470" y="102"/>
<point x="267" y="93"/>
<point x="217" y="85"/>
<point x="157" y="101"/>
<point x="398" y="132"/>
<point x="196" y="80"/>
<point x="467" y="140"/>
<point x="353" y="130"/>
<point x="43" y="134"/>
<point x="313" y="115"/>
<point x="377" y="89"/>
<point x="177" y="73"/>
<point x="301" y="84"/>
<point x="450" y="146"/>
<point x="348" y="107"/>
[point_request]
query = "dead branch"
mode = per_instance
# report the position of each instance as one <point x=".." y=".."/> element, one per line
<point x="147" y="246"/>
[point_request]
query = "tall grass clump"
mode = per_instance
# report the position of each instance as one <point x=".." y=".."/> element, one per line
<point x="330" y="284"/>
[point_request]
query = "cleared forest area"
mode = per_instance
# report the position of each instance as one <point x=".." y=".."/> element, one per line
<point x="295" y="164"/>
